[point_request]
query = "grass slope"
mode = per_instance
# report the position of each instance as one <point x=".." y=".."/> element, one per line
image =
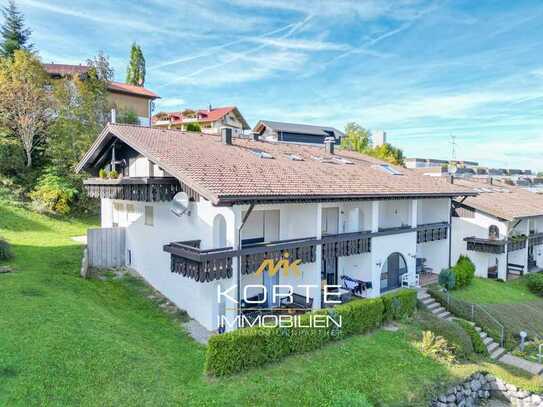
<point x="69" y="341"/>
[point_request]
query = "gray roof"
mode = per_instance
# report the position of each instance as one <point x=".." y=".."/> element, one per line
<point x="299" y="128"/>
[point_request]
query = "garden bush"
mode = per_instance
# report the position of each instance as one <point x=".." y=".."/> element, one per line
<point x="535" y="283"/>
<point x="436" y="347"/>
<point x="455" y="335"/>
<point x="476" y="340"/>
<point x="399" y="304"/>
<point x="447" y="279"/>
<point x="464" y="272"/>
<point x="250" y="347"/>
<point x="53" y="193"/>
<point x="5" y="249"/>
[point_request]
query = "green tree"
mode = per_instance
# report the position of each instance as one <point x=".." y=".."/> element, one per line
<point x="24" y="104"/>
<point x="135" y="74"/>
<point x="13" y="32"/>
<point x="356" y="138"/>
<point x="128" y="117"/>
<point x="194" y="127"/>
<point x="81" y="110"/>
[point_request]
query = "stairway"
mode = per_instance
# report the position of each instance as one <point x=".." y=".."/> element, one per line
<point x="495" y="351"/>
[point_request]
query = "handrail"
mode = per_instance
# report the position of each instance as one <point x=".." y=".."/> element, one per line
<point x="473" y="307"/>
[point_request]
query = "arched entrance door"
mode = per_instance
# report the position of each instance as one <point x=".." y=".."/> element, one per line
<point x="393" y="270"/>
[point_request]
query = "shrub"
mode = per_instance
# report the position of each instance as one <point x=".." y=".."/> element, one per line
<point x="436" y="347"/>
<point x="476" y="340"/>
<point x="447" y="279"/>
<point x="250" y="347"/>
<point x="464" y="271"/>
<point x="53" y="193"/>
<point x="535" y="283"/>
<point x="360" y="316"/>
<point x="193" y="127"/>
<point x="399" y="304"/>
<point x="5" y="249"/>
<point x="113" y="174"/>
<point x="102" y="173"/>
<point x="458" y="340"/>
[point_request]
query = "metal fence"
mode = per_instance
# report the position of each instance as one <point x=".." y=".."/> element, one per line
<point x="475" y="313"/>
<point x="106" y="247"/>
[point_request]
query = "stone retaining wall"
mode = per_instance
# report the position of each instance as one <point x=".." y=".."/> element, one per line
<point x="483" y="386"/>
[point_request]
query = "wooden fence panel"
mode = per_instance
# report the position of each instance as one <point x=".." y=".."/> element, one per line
<point x="106" y="247"/>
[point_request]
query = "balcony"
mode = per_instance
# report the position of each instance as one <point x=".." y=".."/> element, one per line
<point x="495" y="246"/>
<point x="145" y="189"/>
<point x="202" y="265"/>
<point x="432" y="232"/>
<point x="535" y="239"/>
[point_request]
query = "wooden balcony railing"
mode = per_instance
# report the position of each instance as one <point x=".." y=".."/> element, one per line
<point x="432" y="232"/>
<point x="151" y="189"/>
<point x="495" y="246"/>
<point x="535" y="239"/>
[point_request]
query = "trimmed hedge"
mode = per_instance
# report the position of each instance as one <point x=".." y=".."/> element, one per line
<point x="476" y="340"/>
<point x="535" y="283"/>
<point x="5" y="249"/>
<point x="400" y="304"/>
<point x="246" y="348"/>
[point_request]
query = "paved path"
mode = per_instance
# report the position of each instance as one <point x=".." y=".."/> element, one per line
<point x="495" y="351"/>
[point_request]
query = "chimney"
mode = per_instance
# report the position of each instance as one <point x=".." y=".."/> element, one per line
<point x="113" y="116"/>
<point x="490" y="180"/>
<point x="226" y="135"/>
<point x="451" y="179"/>
<point x="329" y="143"/>
<point x="209" y="109"/>
<point x="379" y="137"/>
<point x="255" y="136"/>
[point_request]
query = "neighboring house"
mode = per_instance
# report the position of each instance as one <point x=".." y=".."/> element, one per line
<point x="296" y="133"/>
<point x="500" y="229"/>
<point x="122" y="96"/>
<point x="210" y="120"/>
<point x="252" y="200"/>
<point x="432" y="163"/>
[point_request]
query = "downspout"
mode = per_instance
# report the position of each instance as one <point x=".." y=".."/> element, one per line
<point x="450" y="230"/>
<point x="238" y="272"/>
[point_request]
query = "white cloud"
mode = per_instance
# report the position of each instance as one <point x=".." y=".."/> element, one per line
<point x="301" y="44"/>
<point x="170" y="102"/>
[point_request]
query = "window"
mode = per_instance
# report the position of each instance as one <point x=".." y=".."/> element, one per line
<point x="493" y="232"/>
<point x="149" y="216"/>
<point x="388" y="169"/>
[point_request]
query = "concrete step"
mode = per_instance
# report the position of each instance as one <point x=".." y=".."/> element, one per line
<point x="438" y="310"/>
<point x="432" y="305"/>
<point x="444" y="315"/>
<point x="531" y="367"/>
<point x="422" y="295"/>
<point x="497" y="353"/>
<point x="483" y="334"/>
<point x="491" y="347"/>
<point x="487" y="340"/>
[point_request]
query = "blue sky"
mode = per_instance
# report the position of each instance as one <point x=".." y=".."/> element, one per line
<point x="421" y="70"/>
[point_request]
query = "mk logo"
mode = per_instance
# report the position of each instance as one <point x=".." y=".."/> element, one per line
<point x="283" y="264"/>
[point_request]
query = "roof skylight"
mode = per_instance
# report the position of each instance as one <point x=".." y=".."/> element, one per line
<point x="389" y="169"/>
<point x="295" y="157"/>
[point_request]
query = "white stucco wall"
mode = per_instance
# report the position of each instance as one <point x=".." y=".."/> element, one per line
<point x="433" y="210"/>
<point x="273" y="222"/>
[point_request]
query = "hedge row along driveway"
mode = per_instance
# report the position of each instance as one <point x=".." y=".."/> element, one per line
<point x="251" y="347"/>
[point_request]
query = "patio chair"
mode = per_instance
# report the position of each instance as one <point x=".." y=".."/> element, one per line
<point x="358" y="288"/>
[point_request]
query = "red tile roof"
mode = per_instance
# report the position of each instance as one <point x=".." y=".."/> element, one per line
<point x="203" y="115"/>
<point x="131" y="89"/>
<point x="502" y="200"/>
<point x="227" y="174"/>
<point x="64" y="69"/>
<point x="118" y="87"/>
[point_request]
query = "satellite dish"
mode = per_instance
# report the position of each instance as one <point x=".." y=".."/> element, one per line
<point x="180" y="204"/>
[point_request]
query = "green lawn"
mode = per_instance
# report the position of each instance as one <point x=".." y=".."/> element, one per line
<point x="69" y="341"/>
<point x="511" y="303"/>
